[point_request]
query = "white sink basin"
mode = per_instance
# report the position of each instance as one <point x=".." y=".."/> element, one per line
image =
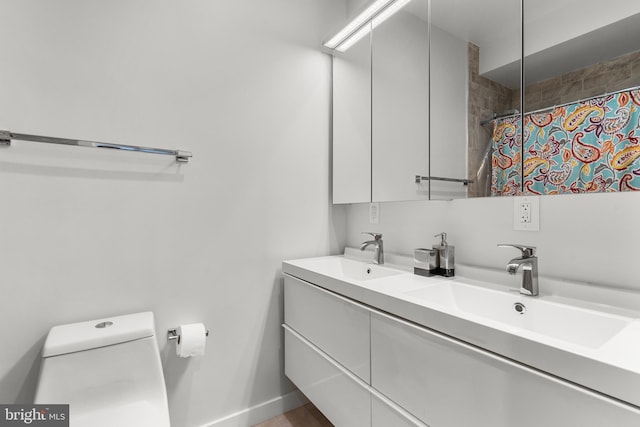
<point x="349" y="269"/>
<point x="365" y="271"/>
<point x="569" y="323"/>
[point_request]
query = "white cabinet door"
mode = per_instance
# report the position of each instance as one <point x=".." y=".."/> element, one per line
<point x="336" y="325"/>
<point x="446" y="383"/>
<point x="341" y="396"/>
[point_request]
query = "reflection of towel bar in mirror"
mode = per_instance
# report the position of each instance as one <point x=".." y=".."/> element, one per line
<point x="6" y="137"/>
<point x="420" y="178"/>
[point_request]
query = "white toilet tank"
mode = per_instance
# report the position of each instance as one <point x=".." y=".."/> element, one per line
<point x="107" y="370"/>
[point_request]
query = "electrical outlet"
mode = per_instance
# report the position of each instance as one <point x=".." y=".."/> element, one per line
<point x="526" y="213"/>
<point x="374" y="213"/>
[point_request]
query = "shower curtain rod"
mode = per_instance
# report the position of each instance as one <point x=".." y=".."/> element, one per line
<point x="507" y="113"/>
<point x="563" y="105"/>
<point x="6" y="137"/>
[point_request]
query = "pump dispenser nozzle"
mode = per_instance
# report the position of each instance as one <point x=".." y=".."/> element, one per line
<point x="443" y="237"/>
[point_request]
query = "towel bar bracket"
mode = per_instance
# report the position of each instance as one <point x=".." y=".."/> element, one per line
<point x="5" y="137"/>
<point x="183" y="156"/>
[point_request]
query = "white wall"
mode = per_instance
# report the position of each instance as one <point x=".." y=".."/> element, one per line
<point x="570" y="19"/>
<point x="591" y="239"/>
<point x="91" y="233"/>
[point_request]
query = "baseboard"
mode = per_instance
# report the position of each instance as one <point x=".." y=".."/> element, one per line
<point x="261" y="412"/>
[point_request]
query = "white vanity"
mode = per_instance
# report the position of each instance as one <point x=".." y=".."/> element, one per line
<point x="377" y="346"/>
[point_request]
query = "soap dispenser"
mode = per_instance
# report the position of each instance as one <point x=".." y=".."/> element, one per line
<point x="446" y="255"/>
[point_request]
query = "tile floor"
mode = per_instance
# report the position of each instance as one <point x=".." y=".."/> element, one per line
<point x="304" y="416"/>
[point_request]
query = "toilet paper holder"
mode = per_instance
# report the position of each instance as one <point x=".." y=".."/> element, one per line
<point x="172" y="334"/>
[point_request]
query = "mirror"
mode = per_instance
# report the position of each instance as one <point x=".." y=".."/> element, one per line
<point x="475" y="77"/>
<point x="400" y="109"/>
<point x="582" y="103"/>
<point x="352" y="124"/>
<point x="380" y="110"/>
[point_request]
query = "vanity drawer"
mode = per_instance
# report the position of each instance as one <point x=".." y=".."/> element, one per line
<point x="336" y="325"/>
<point x="343" y="398"/>
<point x="446" y="383"/>
<point x="385" y="413"/>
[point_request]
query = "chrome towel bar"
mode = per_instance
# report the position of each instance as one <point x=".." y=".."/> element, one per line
<point x="6" y="137"/>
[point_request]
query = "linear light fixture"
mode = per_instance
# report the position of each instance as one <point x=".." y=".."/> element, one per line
<point x="359" y="27"/>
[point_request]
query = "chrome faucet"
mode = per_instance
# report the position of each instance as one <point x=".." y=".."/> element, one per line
<point x="378" y="249"/>
<point x="529" y="264"/>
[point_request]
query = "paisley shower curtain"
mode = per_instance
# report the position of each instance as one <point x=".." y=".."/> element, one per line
<point x="586" y="147"/>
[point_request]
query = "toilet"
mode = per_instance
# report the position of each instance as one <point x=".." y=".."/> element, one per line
<point x="107" y="370"/>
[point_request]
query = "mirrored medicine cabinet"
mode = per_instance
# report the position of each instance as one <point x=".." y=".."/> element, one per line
<point x="428" y="104"/>
<point x="381" y="111"/>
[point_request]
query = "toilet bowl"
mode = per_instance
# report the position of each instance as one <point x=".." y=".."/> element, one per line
<point x="107" y="370"/>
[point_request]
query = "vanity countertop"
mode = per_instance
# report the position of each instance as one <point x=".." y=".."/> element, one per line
<point x="594" y="345"/>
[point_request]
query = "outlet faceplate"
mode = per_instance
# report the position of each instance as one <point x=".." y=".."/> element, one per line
<point x="374" y="213"/>
<point x="526" y="213"/>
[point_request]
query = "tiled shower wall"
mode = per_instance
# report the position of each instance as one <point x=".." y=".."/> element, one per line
<point x="616" y="74"/>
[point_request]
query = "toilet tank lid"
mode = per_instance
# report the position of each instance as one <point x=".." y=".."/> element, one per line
<point x="91" y="334"/>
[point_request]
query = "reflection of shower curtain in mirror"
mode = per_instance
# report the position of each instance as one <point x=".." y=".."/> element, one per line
<point x="586" y="147"/>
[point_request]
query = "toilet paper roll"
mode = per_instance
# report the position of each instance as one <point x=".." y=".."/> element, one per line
<point x="192" y="339"/>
